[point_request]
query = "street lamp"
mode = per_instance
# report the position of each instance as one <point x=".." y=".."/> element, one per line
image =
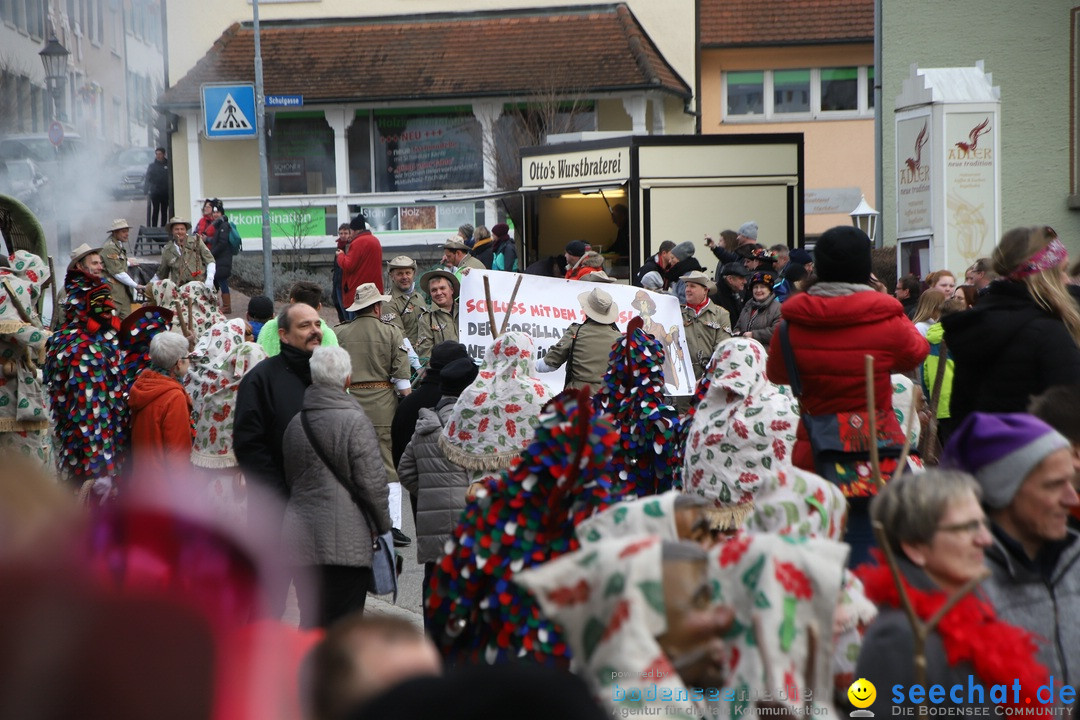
<point x="55" y="59"/>
<point x="865" y="218"/>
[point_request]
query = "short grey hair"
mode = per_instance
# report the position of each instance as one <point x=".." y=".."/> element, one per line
<point x="910" y="507"/>
<point x="168" y="348"/>
<point x="330" y="366"/>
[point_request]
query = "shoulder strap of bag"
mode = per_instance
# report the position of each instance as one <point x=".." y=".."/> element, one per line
<point x="789" y="359"/>
<point x="326" y="461"/>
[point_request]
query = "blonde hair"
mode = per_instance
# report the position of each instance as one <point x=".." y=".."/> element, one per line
<point x="929" y="307"/>
<point x="1047" y="287"/>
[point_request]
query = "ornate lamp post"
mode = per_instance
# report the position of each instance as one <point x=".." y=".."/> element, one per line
<point x="865" y="218"/>
<point x="55" y="59"/>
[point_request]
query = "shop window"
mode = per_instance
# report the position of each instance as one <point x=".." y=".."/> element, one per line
<point x="870" y="87"/>
<point x="419" y="151"/>
<point x="301" y="153"/>
<point x="359" y="139"/>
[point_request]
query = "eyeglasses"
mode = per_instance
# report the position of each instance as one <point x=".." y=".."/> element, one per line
<point x="971" y="527"/>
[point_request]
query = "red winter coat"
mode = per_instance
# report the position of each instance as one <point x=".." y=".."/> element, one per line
<point x="161" y="433"/>
<point x="361" y="264"/>
<point x="830" y="337"/>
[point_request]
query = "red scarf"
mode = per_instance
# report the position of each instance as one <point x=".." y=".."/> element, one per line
<point x="971" y="632"/>
<point x="698" y="308"/>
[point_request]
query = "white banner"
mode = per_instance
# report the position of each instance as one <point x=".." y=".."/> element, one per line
<point x="545" y="307"/>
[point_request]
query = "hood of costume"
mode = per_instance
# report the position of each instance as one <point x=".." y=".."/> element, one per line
<point x="494" y="418"/>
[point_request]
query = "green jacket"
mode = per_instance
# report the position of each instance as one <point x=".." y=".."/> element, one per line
<point x="934" y="336"/>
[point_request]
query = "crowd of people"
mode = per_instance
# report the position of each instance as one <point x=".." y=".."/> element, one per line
<point x="752" y="548"/>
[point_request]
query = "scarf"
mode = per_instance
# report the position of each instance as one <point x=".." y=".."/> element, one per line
<point x="837" y="289"/>
<point x="970" y="631"/>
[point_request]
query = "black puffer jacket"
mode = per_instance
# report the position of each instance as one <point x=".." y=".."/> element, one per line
<point x="221" y="248"/>
<point x="1006" y="350"/>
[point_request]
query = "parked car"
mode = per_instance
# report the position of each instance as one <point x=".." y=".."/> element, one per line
<point x="24" y="181"/>
<point x="127" y="170"/>
<point x="54" y="163"/>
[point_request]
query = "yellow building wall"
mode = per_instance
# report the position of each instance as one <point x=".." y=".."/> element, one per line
<point x="836" y="153"/>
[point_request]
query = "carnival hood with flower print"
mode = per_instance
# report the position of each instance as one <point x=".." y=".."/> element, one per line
<point x="222" y="358"/>
<point x="608" y="598"/>
<point x="742" y="431"/>
<point x="494" y="418"/>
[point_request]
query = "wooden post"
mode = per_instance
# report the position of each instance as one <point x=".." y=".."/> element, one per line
<point x="491" y="311"/>
<point x="871" y="411"/>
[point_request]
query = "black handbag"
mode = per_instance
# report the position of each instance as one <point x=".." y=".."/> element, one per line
<point x="383" y="561"/>
<point x="841" y="441"/>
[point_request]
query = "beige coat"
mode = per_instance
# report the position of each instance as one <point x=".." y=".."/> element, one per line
<point x="435" y="326"/>
<point x="704" y="332"/>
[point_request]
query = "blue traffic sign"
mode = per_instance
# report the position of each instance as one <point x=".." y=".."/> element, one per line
<point x="228" y="111"/>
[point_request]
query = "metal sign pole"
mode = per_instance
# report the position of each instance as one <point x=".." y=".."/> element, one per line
<point x="264" y="184"/>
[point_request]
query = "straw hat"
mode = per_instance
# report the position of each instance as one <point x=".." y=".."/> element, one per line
<point x="367" y="295"/>
<point x="427" y="277"/>
<point x="599" y="306"/>
<point x="700" y="278"/>
<point x="177" y="221"/>
<point x="119" y="224"/>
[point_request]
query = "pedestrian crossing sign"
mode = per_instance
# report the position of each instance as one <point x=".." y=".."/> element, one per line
<point x="228" y="111"/>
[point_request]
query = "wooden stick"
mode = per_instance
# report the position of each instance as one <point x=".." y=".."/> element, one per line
<point x="510" y="308"/>
<point x="17" y="304"/>
<point x="491" y="311"/>
<point x="55" y="308"/>
<point x="901" y="462"/>
<point x="871" y="411"/>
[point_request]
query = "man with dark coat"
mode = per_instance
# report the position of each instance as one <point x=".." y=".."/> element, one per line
<point x="268" y="398"/>
<point x="651" y="274"/>
<point x="729" y="291"/>
<point x="156" y="187"/>
<point x="426" y="395"/>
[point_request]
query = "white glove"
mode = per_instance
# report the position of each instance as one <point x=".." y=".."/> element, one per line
<point x="126" y="280"/>
<point x="154" y="279"/>
<point x="542" y="366"/>
<point x="211" y="268"/>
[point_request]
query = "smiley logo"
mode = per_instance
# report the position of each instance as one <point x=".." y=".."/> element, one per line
<point x="862" y="693"/>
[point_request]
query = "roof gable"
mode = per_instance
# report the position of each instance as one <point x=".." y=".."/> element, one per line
<point x="566" y="51"/>
<point x="735" y="23"/>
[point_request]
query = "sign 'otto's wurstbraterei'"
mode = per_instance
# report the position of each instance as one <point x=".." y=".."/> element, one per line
<point x="578" y="168"/>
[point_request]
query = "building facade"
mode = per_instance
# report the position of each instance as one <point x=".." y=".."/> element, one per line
<point x="415" y="119"/>
<point x="116" y="69"/>
<point x="778" y="67"/>
<point x="1032" y="52"/>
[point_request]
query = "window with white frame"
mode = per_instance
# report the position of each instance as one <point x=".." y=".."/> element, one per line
<point x="798" y="94"/>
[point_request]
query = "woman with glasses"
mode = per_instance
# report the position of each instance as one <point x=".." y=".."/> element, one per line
<point x="1022" y="336"/>
<point x="937" y="531"/>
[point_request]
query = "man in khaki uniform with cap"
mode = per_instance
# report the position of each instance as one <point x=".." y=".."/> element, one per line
<point x="585" y="347"/>
<point x="380" y="373"/>
<point x="705" y="323"/>
<point x="405" y="304"/>
<point x="186" y="258"/>
<point x="114" y="254"/>
<point x="439" y="320"/>
<point x="456" y="256"/>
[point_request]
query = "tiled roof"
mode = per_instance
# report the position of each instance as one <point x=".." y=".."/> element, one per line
<point x="743" y="23"/>
<point x="571" y="51"/>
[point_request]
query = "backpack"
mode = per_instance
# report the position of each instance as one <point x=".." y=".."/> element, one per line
<point x="234" y="240"/>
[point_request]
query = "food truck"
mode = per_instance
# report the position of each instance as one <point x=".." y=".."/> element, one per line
<point x="668" y="187"/>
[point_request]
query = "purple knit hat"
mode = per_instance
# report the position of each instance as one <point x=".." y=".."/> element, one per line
<point x="1000" y="450"/>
